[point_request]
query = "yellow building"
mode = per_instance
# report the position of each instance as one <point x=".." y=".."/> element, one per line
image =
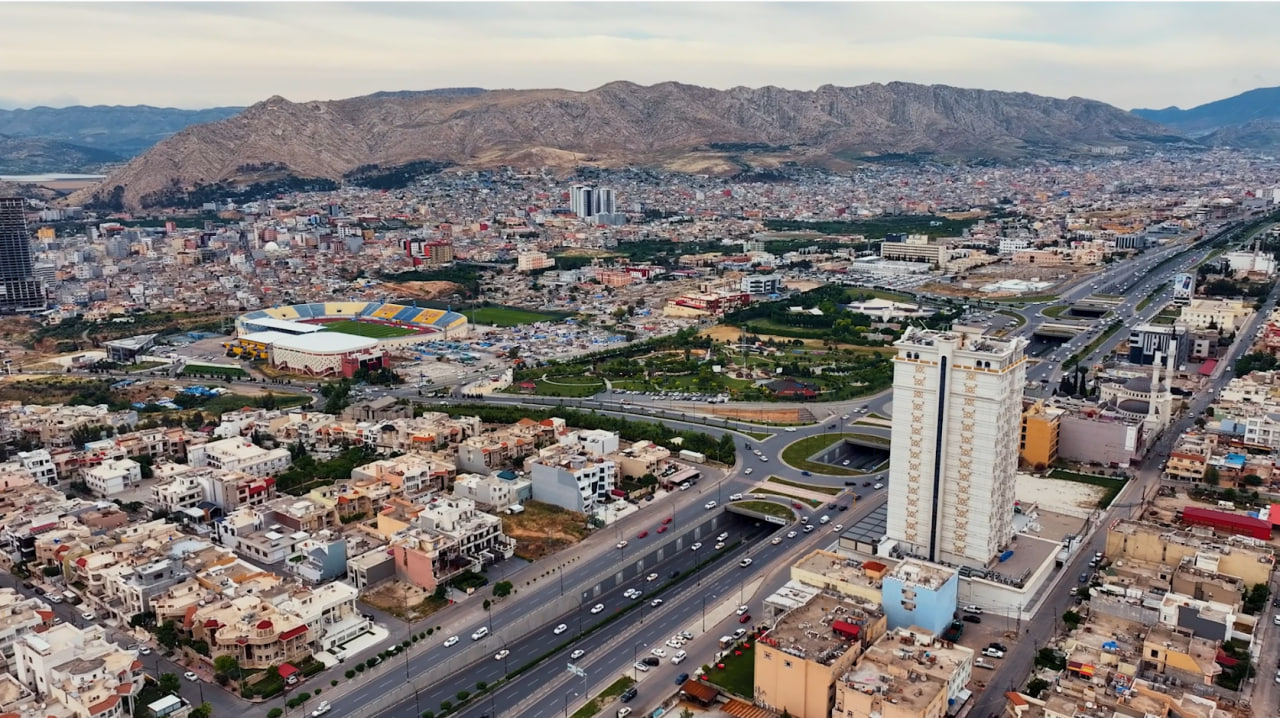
<point x="798" y="660"/>
<point x="46" y="233"/>
<point x="1038" y="444"/>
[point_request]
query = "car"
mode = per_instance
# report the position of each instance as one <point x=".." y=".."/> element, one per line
<point x="709" y="505"/>
<point x="642" y="534"/>
<point x="620" y="544"/>
<point x="744" y="618"/>
<point x="655" y="602"/>
<point x="667" y="520"/>
<point x="675" y="642"/>
<point x="973" y="619"/>
<point x="765" y="459"/>
<point x="577" y="653"/>
<point x="321" y="709"/>
<point x="631" y="593"/>
<point x="501" y="654"/>
<point x="735" y="497"/>
<point x="837" y="528"/>
<point x="865" y="484"/>
<point x="993" y="653"/>
<point x="597" y="608"/>
<point x="662" y="529"/>
<point x="797" y="505"/>
<point x="877" y="487"/>
<point x="998" y="646"/>
<point x="746" y="471"/>
<point x="451" y="640"/>
<point x="808" y="528"/>
<point x="744" y="562"/>
<point x="686" y="635"/>
<point x="739" y="633"/>
<point x="191" y="676"/>
<point x="88" y="615"/>
<point x="846" y="462"/>
<point x="806" y="473"/>
<point x="791" y="429"/>
<point x="776" y="540"/>
<point x="651" y="662"/>
<point x="742" y="610"/>
<point x="844" y="416"/>
<point x="1084" y="578"/>
<point x="724" y="535"/>
<point x="480" y="632"/>
<point x="641" y="667"/>
<point x="680" y="679"/>
<point x="719" y="545"/>
<point x="659" y="652"/>
<point x="696" y="546"/>
<point x="144" y="650"/>
<point x="628" y="694"/>
<point x="972" y="609"/>
<point x="560" y="629"/>
<point x="651" y="577"/>
<point x="623" y="712"/>
<point x="792" y="534"/>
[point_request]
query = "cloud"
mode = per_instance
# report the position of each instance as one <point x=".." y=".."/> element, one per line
<point x="206" y="54"/>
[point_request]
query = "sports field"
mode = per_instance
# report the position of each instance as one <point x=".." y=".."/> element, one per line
<point x="365" y="329"/>
<point x="506" y="316"/>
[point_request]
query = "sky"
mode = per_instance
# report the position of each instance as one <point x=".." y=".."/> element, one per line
<point x="195" y="55"/>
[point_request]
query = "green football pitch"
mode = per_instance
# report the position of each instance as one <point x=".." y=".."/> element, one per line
<point x="365" y="329"/>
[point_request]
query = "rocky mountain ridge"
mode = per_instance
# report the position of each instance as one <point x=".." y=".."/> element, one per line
<point x="671" y="125"/>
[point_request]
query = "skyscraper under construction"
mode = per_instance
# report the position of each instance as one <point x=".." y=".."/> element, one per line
<point x="20" y="291"/>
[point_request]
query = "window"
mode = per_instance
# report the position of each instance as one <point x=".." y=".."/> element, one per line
<point x="1155" y="653"/>
<point x="786" y="664"/>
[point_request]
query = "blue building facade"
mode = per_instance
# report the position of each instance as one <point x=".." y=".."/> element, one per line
<point x="916" y="593"/>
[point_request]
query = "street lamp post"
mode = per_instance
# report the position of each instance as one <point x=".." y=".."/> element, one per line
<point x="567" y="696"/>
<point x="635" y="654"/>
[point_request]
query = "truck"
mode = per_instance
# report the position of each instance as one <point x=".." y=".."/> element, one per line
<point x="514" y="509"/>
<point x="694" y="456"/>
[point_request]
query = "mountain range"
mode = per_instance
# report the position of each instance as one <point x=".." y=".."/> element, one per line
<point x="1250" y="120"/>
<point x="671" y="125"/>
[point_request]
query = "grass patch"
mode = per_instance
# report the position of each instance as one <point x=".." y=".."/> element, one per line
<point x="770" y="492"/>
<point x="768" y="508"/>
<point x="796" y="454"/>
<point x="739" y="673"/>
<point x="1032" y="299"/>
<point x="367" y="329"/>
<point x="1055" y="311"/>
<point x="567" y="389"/>
<point x="1079" y="356"/>
<point x="1151" y="297"/>
<point x="506" y="316"/>
<point x="871" y="439"/>
<point x="828" y="490"/>
<point x="225" y="372"/>
<point x="615" y="689"/>
<point x="757" y="435"/>
<point x="874" y="415"/>
<point x="144" y="365"/>
<point x="1112" y="486"/>
<point x="542" y="529"/>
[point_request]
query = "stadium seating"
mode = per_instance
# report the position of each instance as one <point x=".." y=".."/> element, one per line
<point x="283" y="312"/>
<point x="317" y="309"/>
<point x="451" y="320"/>
<point x="387" y="311"/>
<point x="343" y="309"/>
<point x="407" y="314"/>
<point x="304" y="311"/>
<point x="369" y="309"/>
<point x="428" y="317"/>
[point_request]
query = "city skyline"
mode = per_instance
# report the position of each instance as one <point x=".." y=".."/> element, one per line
<point x="196" y="55"/>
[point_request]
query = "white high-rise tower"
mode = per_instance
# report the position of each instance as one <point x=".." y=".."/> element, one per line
<point x="957" y="408"/>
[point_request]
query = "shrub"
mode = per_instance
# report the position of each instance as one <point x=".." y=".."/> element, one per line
<point x="481" y="685"/>
<point x="275" y="713"/>
<point x="350" y="674"/>
<point x="359" y="668"/>
<point x="446" y="706"/>
<point x="333" y="683"/>
<point x="463" y="695"/>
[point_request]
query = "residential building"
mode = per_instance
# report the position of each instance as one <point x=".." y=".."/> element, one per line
<point x="253" y="631"/>
<point x="494" y="492"/>
<point x="20" y="291"/>
<point x="39" y="466"/>
<point x="330" y="614"/>
<point x="1147" y="341"/>
<point x="113" y="477"/>
<point x="231" y="490"/>
<point x="906" y="674"/>
<point x="320" y="559"/>
<point x="80" y="669"/>
<point x="642" y="457"/>
<point x="798" y="659"/>
<point x="850" y="577"/>
<point x="409" y="475"/>
<point x="533" y="261"/>
<point x="240" y="454"/>
<point x="1038" y="443"/>
<point x="762" y="284"/>
<point x="479" y="535"/>
<point x="1226" y="315"/>
<point x="571" y="480"/>
<point x="957" y="399"/>
<point x="920" y="594"/>
<point x="19" y="616"/>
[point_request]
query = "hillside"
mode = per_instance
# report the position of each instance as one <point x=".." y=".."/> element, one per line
<point x="1223" y="122"/>
<point x="671" y="125"/>
<point x="120" y="130"/>
<point x="35" y="155"/>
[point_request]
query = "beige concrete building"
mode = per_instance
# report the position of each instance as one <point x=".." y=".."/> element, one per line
<point x="907" y="674"/>
<point x="1230" y="555"/>
<point x="1225" y="314"/>
<point x="858" y="580"/>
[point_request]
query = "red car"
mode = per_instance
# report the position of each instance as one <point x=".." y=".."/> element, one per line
<point x="667" y="520"/>
<point x="662" y="528"/>
<point x="642" y="534"/>
<point x="796" y="505"/>
<point x="745" y="617"/>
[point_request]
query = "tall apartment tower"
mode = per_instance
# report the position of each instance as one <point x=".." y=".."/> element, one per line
<point x="19" y="289"/>
<point x="957" y="407"/>
<point x="587" y="201"/>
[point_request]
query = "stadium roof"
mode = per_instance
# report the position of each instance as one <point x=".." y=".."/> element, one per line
<point x="285" y="325"/>
<point x="321" y="343"/>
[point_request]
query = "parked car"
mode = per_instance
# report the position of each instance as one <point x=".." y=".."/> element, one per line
<point x="680" y="679"/>
<point x="641" y="667"/>
<point x="191" y="676"/>
<point x="973" y="619"/>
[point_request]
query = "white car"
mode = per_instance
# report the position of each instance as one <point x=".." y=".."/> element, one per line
<point x="792" y="534"/>
<point x="679" y="657"/>
<point x="480" y="632"/>
<point x="597" y="608"/>
<point x="655" y="602"/>
<point x="191" y="676"/>
<point x="641" y="667"/>
<point x="744" y="562"/>
<point x="651" y="577"/>
<point x="621" y="544"/>
<point x="993" y="652"/>
<point x="659" y="652"/>
<point x="746" y="471"/>
<point x="878" y="487"/>
<point x="764" y="459"/>
<point x="776" y="540"/>
<point x="560" y="629"/>
<point x="631" y="593"/>
<point x="743" y="609"/>
<point x="696" y="546"/>
<point x="837" y="528"/>
<point x="501" y="654"/>
<point x="321" y="709"/>
<point x="451" y="640"/>
<point x="735" y="497"/>
<point x="724" y="536"/>
<point x="719" y="545"/>
<point x="709" y="505"/>
<point x="976" y="610"/>
<point x="845" y="416"/>
<point x="791" y="429"/>
<point x="579" y="653"/>
<point x="808" y="528"/>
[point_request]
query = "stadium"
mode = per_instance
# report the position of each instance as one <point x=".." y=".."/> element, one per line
<point x="338" y="338"/>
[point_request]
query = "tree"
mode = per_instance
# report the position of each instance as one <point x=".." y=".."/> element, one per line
<point x="169" y="684"/>
<point x="167" y="634"/>
<point x="226" y="665"/>
<point x="502" y="589"/>
<point x="1252" y="480"/>
<point x="275" y="713"/>
<point x="1072" y="619"/>
<point x="204" y="710"/>
<point x="1036" y="687"/>
<point x="146" y="619"/>
<point x="686" y="713"/>
<point x="1211" y="474"/>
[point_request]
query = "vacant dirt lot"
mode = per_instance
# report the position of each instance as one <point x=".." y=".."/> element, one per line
<point x="544" y="529"/>
<point x="776" y="416"/>
<point x="429" y="290"/>
<point x="403" y="600"/>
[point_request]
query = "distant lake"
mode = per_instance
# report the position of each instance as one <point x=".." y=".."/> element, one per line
<point x="49" y="177"/>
